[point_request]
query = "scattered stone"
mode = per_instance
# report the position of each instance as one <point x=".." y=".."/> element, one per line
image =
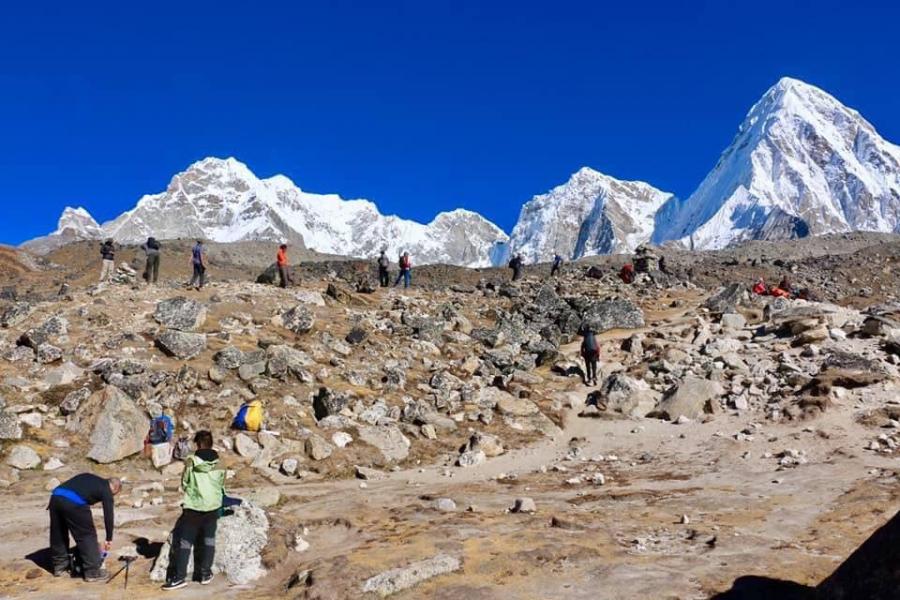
<point x="445" y="505"/>
<point x="246" y="446"/>
<point x="299" y="319"/>
<point x="181" y="344"/>
<point x="524" y="505"/>
<point x="120" y="428"/>
<point x="403" y="578"/>
<point x="317" y="448"/>
<point x="23" y="457"/>
<point x="180" y="313"/>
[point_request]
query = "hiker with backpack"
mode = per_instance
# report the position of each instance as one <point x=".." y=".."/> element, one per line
<point x="198" y="261"/>
<point x="590" y="352"/>
<point x="70" y="512"/>
<point x="151" y="267"/>
<point x="383" y="264"/>
<point x="284" y="269"/>
<point x="405" y="271"/>
<point x="557" y="265"/>
<point x="108" y="257"/>
<point x="203" y="482"/>
<point x="517" y="264"/>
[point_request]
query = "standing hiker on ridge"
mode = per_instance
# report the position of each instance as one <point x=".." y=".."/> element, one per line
<point x="70" y="512"/>
<point x="108" y="255"/>
<point x="590" y="352"/>
<point x="516" y="264"/>
<point x="557" y="265"/>
<point x="383" y="264"/>
<point x="151" y="269"/>
<point x="198" y="261"/>
<point x="405" y="271"/>
<point x="284" y="269"/>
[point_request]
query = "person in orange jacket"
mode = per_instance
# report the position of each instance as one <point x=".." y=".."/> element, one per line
<point x="281" y="260"/>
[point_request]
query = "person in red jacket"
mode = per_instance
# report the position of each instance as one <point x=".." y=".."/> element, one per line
<point x="284" y="269"/>
<point x="405" y="271"/>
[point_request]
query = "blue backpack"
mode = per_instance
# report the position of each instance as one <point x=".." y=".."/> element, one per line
<point x="162" y="429"/>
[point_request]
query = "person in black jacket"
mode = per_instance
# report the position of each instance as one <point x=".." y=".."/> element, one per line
<point x="108" y="254"/>
<point x="383" y="264"/>
<point x="517" y="264"/>
<point x="70" y="512"/>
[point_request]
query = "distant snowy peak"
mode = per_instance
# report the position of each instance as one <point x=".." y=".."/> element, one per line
<point x="77" y="223"/>
<point x="592" y="213"/>
<point x="801" y="164"/>
<point x="224" y="201"/>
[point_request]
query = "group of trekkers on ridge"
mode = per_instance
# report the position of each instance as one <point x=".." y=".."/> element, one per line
<point x="203" y="503"/>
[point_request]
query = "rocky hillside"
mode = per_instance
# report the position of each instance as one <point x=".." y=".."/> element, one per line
<point x="420" y="442"/>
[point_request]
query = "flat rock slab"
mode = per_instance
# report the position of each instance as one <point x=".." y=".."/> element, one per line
<point x="403" y="578"/>
<point x="180" y="313"/>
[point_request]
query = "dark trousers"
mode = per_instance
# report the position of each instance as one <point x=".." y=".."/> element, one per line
<point x="554" y="270"/>
<point x="517" y="274"/>
<point x="194" y="530"/>
<point x="590" y="368"/>
<point x="284" y="275"/>
<point x="384" y="278"/>
<point x="151" y="271"/>
<point x="199" y="275"/>
<point x="67" y="517"/>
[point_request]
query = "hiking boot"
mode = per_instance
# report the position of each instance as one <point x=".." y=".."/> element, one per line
<point x="174" y="585"/>
<point x="59" y="572"/>
<point x="98" y="575"/>
<point x="206" y="579"/>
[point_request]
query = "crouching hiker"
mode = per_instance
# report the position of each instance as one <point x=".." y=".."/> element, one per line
<point x="203" y="483"/>
<point x="70" y="512"/>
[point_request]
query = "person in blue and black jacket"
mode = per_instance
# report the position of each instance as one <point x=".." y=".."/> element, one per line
<point x="70" y="512"/>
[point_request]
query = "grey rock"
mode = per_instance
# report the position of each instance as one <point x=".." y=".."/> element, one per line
<point x="727" y="299"/>
<point x="48" y="353"/>
<point x="327" y="403"/>
<point x="317" y="448"/>
<point x="445" y="505"/>
<point x="10" y="428"/>
<point x="524" y="505"/>
<point x="285" y="360"/>
<point x="180" y="313"/>
<point x="733" y="321"/>
<point x="245" y="446"/>
<point x="388" y="439"/>
<point x="181" y="344"/>
<point x="73" y="400"/>
<point x="251" y="370"/>
<point x="15" y="314"/>
<point x="404" y="578"/>
<point x="64" y="374"/>
<point x="229" y="358"/>
<point x="299" y="319"/>
<point x="240" y="540"/>
<point x="615" y="313"/>
<point x="120" y="427"/>
<point x="23" y="457"/>
<point x="488" y="443"/>
<point x="471" y="458"/>
<point x="692" y="398"/>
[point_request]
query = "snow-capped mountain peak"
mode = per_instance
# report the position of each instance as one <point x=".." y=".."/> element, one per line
<point x="78" y="223"/>
<point x="224" y="201"/>
<point x="801" y="164"/>
<point x="591" y="213"/>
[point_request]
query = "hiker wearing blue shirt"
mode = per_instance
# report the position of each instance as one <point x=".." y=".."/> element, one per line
<point x="70" y="512"/>
<point x="198" y="260"/>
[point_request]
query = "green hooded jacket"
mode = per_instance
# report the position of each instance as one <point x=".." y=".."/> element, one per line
<point x="203" y="483"/>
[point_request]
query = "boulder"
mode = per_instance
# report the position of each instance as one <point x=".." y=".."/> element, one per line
<point x="245" y="445"/>
<point x="471" y="458"/>
<point x="326" y="403"/>
<point x="692" y="398"/>
<point x="269" y="276"/>
<point x="733" y="321"/>
<point x="23" y="457"/>
<point x="120" y="428"/>
<point x="388" y="439"/>
<point x="240" y="540"/>
<point x="356" y="336"/>
<point x="181" y="344"/>
<point x="317" y="448"/>
<point x="15" y="314"/>
<point x="339" y="293"/>
<point x="299" y="319"/>
<point x="48" y="353"/>
<point x="64" y="374"/>
<point x="616" y="313"/>
<point x="10" y="428"/>
<point x="625" y="395"/>
<point x="285" y="360"/>
<point x="229" y="358"/>
<point x="727" y="299"/>
<point x="180" y="313"/>
<point x="516" y="407"/>
<point x="488" y="443"/>
<point x="403" y="578"/>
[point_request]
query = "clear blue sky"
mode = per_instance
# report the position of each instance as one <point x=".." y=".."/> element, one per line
<point x="421" y="106"/>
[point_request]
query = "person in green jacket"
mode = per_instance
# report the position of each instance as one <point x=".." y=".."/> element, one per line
<point x="203" y="483"/>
